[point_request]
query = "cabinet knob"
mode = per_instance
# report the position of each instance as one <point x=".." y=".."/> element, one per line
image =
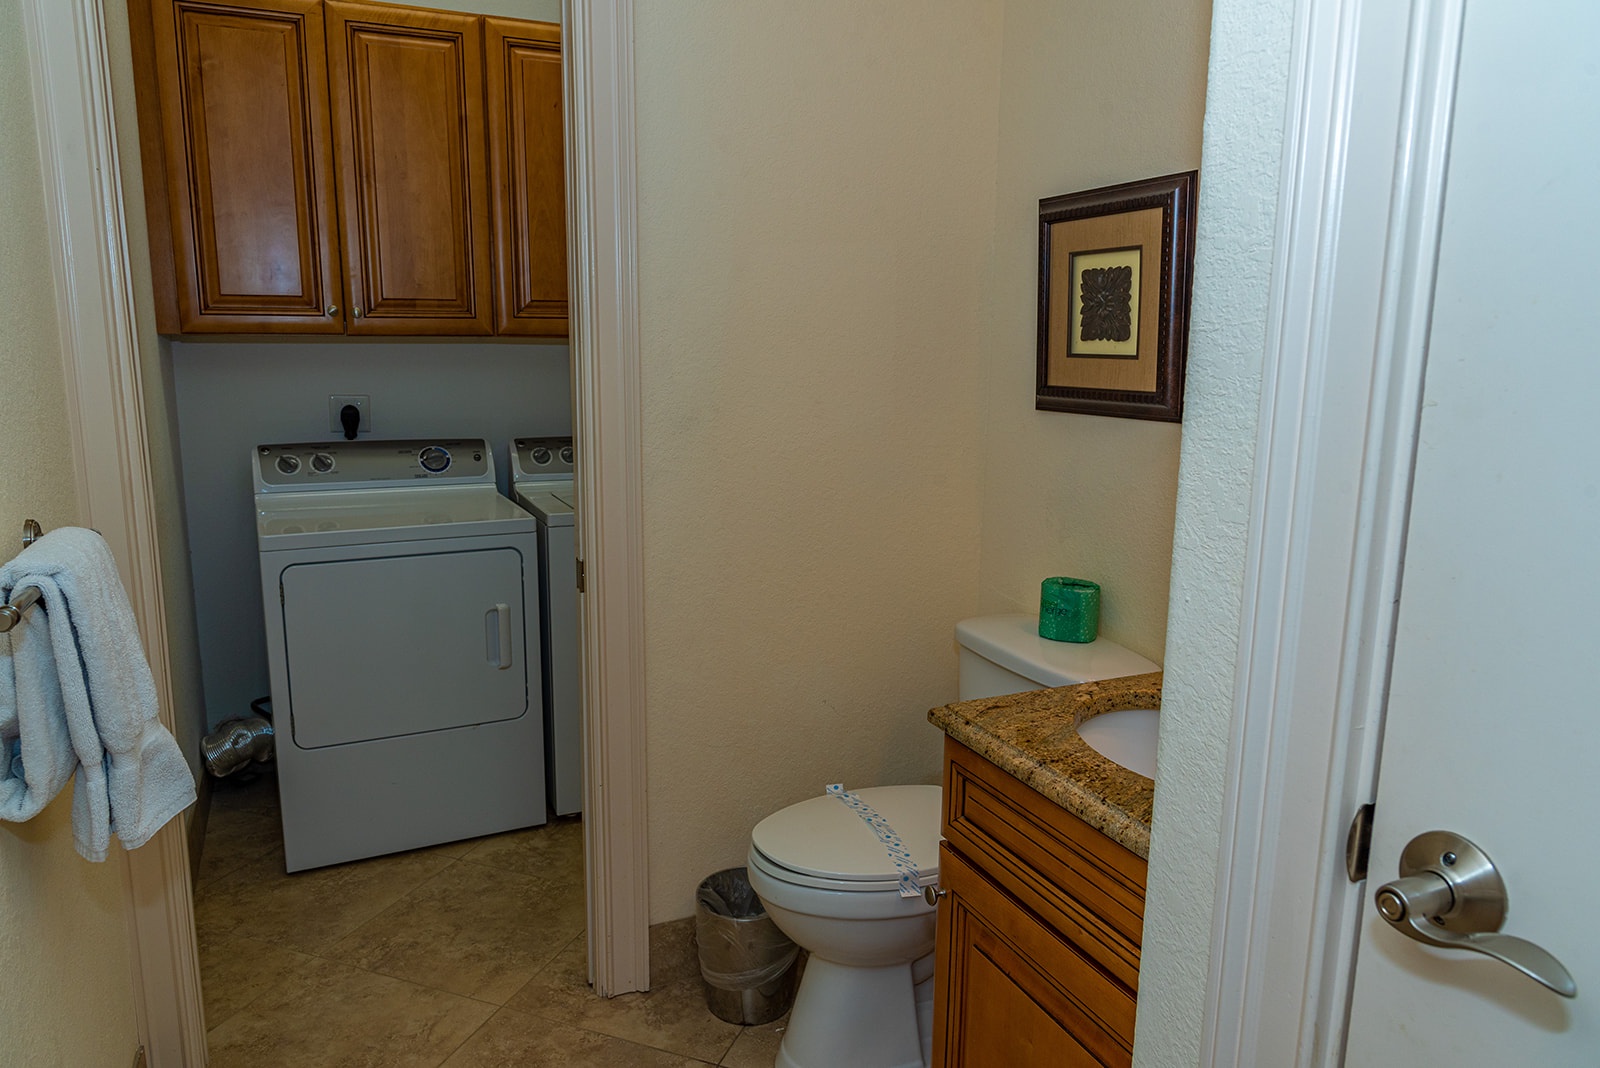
<point x="356" y="312"/>
<point x="333" y="309"/>
<point x="932" y="894"/>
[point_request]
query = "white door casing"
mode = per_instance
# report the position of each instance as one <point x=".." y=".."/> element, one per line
<point x="597" y="54"/>
<point x="105" y="410"/>
<point x="1490" y="729"/>
<point x="1362" y="177"/>
<point x="1368" y="127"/>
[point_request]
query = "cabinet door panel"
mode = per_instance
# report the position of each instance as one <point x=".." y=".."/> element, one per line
<point x="526" y="162"/>
<point x="1010" y="990"/>
<point x="407" y="89"/>
<point x="1081" y="882"/>
<point x="250" y="185"/>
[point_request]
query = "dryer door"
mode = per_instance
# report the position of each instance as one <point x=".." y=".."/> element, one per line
<point x="404" y="644"/>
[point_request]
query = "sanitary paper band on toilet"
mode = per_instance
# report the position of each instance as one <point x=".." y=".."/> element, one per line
<point x="899" y="855"/>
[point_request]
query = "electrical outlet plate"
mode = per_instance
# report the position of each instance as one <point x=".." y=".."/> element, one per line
<point x="336" y="404"/>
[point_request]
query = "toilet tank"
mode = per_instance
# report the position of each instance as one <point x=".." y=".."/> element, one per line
<point x="1004" y="654"/>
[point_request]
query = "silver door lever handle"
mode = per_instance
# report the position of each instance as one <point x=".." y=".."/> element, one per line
<point x="1450" y="895"/>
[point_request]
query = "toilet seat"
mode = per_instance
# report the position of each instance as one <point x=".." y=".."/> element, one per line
<point x="826" y="844"/>
<point x="784" y="874"/>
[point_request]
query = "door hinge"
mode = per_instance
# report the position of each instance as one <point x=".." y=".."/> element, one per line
<point x="1358" y="843"/>
<point x="580" y="576"/>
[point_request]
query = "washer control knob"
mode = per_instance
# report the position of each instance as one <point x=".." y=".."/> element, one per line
<point x="288" y="463"/>
<point x="540" y="455"/>
<point x="434" y="459"/>
<point x="566" y="454"/>
<point x="322" y="462"/>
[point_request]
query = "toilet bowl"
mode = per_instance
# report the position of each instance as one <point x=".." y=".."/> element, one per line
<point x="835" y="872"/>
<point x="830" y="872"/>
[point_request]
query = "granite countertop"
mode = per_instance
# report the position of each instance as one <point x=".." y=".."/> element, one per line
<point x="1033" y="736"/>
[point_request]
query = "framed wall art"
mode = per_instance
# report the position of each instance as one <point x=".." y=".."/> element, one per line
<point x="1115" y="267"/>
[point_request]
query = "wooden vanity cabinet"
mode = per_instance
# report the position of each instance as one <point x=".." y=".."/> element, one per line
<point x="1039" y="929"/>
<point x="407" y="101"/>
<point x="244" y="234"/>
<point x="527" y="169"/>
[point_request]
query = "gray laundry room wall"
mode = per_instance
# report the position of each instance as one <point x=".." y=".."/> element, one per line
<point x="235" y="395"/>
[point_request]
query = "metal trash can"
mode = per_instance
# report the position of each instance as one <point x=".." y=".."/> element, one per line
<point x="750" y="967"/>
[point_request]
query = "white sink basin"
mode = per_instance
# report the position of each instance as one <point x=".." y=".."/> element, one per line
<point x="1127" y="738"/>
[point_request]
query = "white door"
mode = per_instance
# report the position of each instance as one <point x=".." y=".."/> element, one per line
<point x="1493" y="721"/>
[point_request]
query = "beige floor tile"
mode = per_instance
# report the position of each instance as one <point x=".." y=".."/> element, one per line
<point x="235" y="971"/>
<point x="329" y="1015"/>
<point x="671" y="1016"/>
<point x="756" y="1047"/>
<point x="516" y="1040"/>
<point x="454" y="850"/>
<point x="552" y="853"/>
<point x="308" y="910"/>
<point x="473" y="930"/>
<point x="242" y="824"/>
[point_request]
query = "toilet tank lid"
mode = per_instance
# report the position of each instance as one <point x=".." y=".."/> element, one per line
<point x="829" y="838"/>
<point x="1013" y="642"/>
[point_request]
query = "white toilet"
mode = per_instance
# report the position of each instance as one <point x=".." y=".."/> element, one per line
<point x="830" y="872"/>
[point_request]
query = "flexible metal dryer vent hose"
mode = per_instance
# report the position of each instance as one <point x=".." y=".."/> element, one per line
<point x="236" y="743"/>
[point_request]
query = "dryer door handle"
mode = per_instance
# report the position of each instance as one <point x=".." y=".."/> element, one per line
<point x="497" y="636"/>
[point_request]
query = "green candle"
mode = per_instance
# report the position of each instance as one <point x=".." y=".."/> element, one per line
<point x="1069" y="610"/>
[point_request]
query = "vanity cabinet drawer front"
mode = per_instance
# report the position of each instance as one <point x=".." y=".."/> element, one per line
<point x="1014" y="992"/>
<point x="1075" y="878"/>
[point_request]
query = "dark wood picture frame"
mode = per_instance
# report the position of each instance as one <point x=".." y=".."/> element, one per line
<point x="1121" y="352"/>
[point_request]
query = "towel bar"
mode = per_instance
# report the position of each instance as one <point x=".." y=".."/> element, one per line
<point x="11" y="613"/>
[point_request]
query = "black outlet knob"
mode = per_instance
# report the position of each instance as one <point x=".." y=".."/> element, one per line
<point x="350" y="419"/>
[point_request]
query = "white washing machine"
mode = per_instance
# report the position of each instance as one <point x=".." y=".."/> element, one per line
<point x="541" y="481"/>
<point x="401" y="596"/>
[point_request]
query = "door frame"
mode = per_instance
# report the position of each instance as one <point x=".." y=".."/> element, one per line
<point x="1361" y="195"/>
<point x="106" y="422"/>
<point x="602" y="266"/>
<point x="84" y="208"/>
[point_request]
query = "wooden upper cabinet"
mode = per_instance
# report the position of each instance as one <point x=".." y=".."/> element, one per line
<point x="407" y="92"/>
<point x="324" y="166"/>
<point x="240" y="121"/>
<point x="527" y="169"/>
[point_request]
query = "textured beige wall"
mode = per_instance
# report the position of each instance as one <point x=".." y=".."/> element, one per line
<point x="1086" y="99"/>
<point x="66" y="995"/>
<point x="1251" y="41"/>
<point x="815" y="186"/>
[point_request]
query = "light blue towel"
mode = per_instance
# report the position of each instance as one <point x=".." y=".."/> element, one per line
<point x="35" y="750"/>
<point x="76" y="691"/>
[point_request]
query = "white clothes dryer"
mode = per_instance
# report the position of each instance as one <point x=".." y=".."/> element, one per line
<point x="541" y="482"/>
<point x="400" y="591"/>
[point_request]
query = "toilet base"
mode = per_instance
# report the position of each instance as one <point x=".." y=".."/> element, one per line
<point x="862" y="1017"/>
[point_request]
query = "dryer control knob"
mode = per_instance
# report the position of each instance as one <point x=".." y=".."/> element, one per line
<point x="566" y="454"/>
<point x="288" y="463"/>
<point x="540" y="455"/>
<point x="321" y="462"/>
<point x="434" y="459"/>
